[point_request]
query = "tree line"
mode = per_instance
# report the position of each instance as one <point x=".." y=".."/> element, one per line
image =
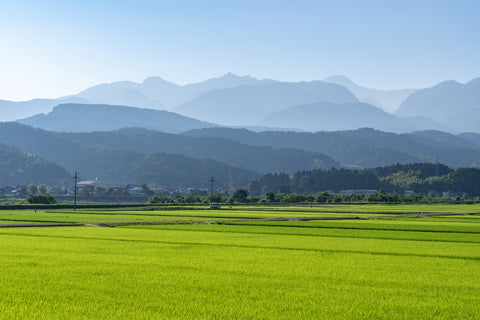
<point x="421" y="178"/>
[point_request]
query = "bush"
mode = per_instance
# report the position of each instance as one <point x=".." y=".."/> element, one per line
<point x="41" y="199"/>
<point x="160" y="199"/>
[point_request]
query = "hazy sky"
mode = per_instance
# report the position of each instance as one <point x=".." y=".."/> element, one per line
<point x="55" y="48"/>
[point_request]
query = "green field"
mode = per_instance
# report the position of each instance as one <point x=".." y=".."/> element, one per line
<point x="387" y="264"/>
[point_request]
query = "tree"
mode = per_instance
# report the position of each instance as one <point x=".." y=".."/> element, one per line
<point x="145" y="189"/>
<point x="100" y="190"/>
<point x="41" y="199"/>
<point x="270" y="196"/>
<point x="240" y="195"/>
<point x="87" y="190"/>
<point x="284" y="189"/>
<point x="160" y="199"/>
<point x="32" y="188"/>
<point x="255" y="187"/>
<point x="42" y="189"/>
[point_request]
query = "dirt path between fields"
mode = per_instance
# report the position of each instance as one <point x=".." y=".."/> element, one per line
<point x="218" y="221"/>
<point x="127" y="223"/>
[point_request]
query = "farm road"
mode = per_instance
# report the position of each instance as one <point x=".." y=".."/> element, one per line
<point x="219" y="221"/>
<point x="113" y="224"/>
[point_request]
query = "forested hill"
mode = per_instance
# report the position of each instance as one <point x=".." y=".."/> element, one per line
<point x="111" y="166"/>
<point x="18" y="168"/>
<point x="366" y="148"/>
<point x="419" y="177"/>
<point x="260" y="159"/>
<point x="135" y="156"/>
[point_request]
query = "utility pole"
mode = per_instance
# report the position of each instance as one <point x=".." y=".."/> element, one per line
<point x="212" y="180"/>
<point x="75" y="178"/>
<point x="311" y="192"/>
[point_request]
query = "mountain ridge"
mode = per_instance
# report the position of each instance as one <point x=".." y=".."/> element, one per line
<point x="450" y="102"/>
<point x="388" y="100"/>
<point x="92" y="117"/>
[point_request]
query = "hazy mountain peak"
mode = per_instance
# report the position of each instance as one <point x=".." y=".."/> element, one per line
<point x="156" y="80"/>
<point x="388" y="100"/>
<point x="450" y="102"/>
<point x="473" y="83"/>
<point x="229" y="79"/>
<point x="73" y="117"/>
<point x="233" y="76"/>
<point x="448" y="84"/>
<point x="341" y="80"/>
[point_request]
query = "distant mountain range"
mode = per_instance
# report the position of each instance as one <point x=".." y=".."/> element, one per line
<point x="118" y="133"/>
<point x="324" y="116"/>
<point x="246" y="105"/>
<point x="139" y="155"/>
<point x="388" y="100"/>
<point x="335" y="104"/>
<point x="260" y="159"/>
<point x="118" y="166"/>
<point x="234" y="156"/>
<point x="454" y="104"/>
<point x="366" y="148"/>
<point x="92" y="117"/>
<point x="153" y="93"/>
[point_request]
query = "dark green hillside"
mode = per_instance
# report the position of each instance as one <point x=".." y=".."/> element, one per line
<point x="119" y="166"/>
<point x="351" y="148"/>
<point x="472" y="137"/>
<point x="363" y="147"/>
<point x="122" y="167"/>
<point x="20" y="168"/>
<point x="419" y="177"/>
<point x="181" y="171"/>
<point x="259" y="159"/>
<point x="441" y="139"/>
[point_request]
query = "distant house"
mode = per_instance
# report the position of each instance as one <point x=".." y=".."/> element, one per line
<point x="95" y="183"/>
<point x="409" y="193"/>
<point x="163" y="191"/>
<point x="135" y="191"/>
<point x="450" y="194"/>
<point x="19" y="191"/>
<point x="6" y="189"/>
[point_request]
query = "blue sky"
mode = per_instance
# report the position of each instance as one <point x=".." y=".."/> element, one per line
<point x="55" y="48"/>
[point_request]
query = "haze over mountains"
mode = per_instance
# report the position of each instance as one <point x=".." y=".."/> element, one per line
<point x="365" y="148"/>
<point x="388" y="100"/>
<point x="94" y="117"/>
<point x="153" y="92"/>
<point x="325" y="116"/>
<point x="166" y="134"/>
<point x="449" y="102"/>
<point x="174" y="160"/>
<point x="140" y="155"/>
<point x="246" y="105"/>
<point x="334" y="104"/>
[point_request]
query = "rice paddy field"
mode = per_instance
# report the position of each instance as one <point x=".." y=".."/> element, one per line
<point x="325" y="262"/>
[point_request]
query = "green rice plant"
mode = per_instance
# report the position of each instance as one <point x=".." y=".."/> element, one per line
<point x="377" y="268"/>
